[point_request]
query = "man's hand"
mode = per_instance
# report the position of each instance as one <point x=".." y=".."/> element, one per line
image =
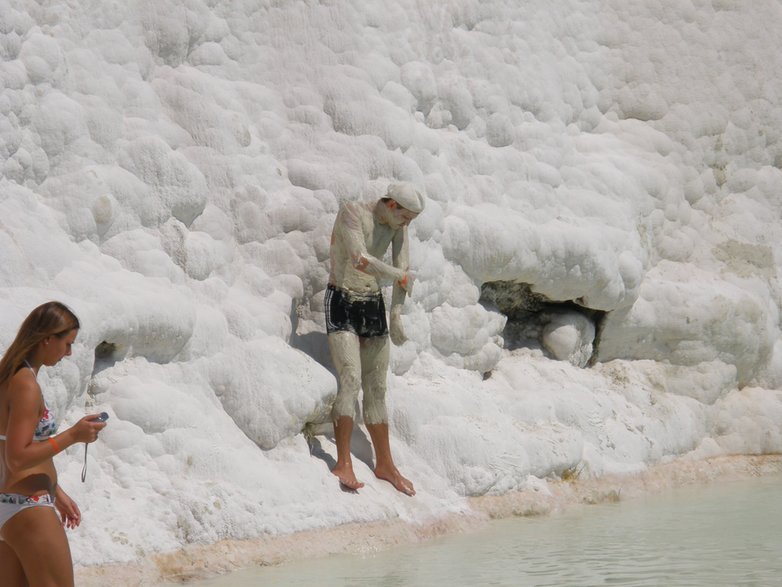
<point x="406" y="283"/>
<point x="397" y="332"/>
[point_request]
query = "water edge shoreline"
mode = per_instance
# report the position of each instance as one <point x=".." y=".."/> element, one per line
<point x="196" y="562"/>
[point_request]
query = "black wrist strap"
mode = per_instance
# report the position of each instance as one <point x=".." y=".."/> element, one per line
<point x="84" y="469"/>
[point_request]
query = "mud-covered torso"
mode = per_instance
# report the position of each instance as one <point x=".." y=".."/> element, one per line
<point x="357" y="221"/>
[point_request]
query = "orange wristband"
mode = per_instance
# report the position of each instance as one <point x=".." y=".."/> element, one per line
<point x="53" y="442"/>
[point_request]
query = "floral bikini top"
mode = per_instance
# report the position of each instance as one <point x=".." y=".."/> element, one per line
<point x="47" y="425"/>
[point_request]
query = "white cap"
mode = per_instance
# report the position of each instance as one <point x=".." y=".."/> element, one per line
<point x="406" y="196"/>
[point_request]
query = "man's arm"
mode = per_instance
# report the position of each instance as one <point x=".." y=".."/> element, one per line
<point x="400" y="256"/>
<point x="401" y="259"/>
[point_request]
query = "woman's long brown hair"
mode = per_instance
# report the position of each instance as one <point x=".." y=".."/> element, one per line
<point x="49" y="319"/>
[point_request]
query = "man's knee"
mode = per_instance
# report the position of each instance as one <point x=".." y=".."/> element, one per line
<point x="347" y="395"/>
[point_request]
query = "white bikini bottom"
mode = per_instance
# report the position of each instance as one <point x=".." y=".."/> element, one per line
<point x="13" y="503"/>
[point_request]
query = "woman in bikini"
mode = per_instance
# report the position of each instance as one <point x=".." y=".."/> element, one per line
<point x="34" y="550"/>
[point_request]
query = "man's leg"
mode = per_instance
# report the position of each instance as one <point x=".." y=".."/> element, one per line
<point x="374" y="370"/>
<point x="345" y="354"/>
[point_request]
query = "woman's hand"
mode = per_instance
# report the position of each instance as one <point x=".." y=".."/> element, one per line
<point x="69" y="511"/>
<point x="86" y="429"/>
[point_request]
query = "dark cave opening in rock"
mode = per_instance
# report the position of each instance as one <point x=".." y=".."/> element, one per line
<point x="107" y="354"/>
<point x="562" y="330"/>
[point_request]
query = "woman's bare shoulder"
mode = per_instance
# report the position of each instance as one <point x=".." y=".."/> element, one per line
<point x="23" y="387"/>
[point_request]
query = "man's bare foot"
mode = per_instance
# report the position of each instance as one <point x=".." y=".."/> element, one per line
<point x="394" y="477"/>
<point x="347" y="477"/>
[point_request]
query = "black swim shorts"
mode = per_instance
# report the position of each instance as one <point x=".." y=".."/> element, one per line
<point x="361" y="314"/>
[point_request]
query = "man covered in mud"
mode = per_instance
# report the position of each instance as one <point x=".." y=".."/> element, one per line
<point x="356" y="319"/>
